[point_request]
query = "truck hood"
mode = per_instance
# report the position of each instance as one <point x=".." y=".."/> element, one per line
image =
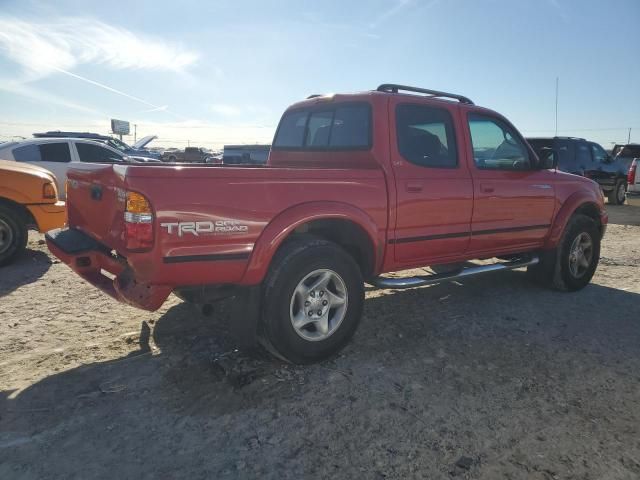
<point x="144" y="141"/>
<point x="19" y="167"/>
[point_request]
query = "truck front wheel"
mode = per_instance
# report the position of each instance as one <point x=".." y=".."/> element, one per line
<point x="572" y="264"/>
<point x="313" y="299"/>
<point x="13" y="234"/>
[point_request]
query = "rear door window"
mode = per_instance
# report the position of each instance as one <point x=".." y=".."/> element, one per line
<point x="583" y="155"/>
<point x="426" y="136"/>
<point x="342" y="127"/>
<point x="46" y="152"/>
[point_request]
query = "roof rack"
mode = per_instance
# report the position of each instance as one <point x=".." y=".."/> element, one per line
<point x="394" y="88"/>
<point x="315" y="95"/>
<point x="59" y="134"/>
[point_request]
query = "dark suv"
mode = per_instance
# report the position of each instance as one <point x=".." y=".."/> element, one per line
<point x="588" y="159"/>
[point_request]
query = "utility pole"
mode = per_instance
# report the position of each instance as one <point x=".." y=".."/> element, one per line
<point x="557" y="106"/>
<point x="135" y="133"/>
<point x="629" y="136"/>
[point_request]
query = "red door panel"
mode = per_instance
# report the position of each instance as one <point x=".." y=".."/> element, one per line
<point x="511" y="208"/>
<point x="514" y="202"/>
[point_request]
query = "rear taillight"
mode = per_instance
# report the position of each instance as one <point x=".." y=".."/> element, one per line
<point x="631" y="177"/>
<point x="138" y="222"/>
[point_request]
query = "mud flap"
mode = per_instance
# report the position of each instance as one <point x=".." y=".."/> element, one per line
<point x="246" y="310"/>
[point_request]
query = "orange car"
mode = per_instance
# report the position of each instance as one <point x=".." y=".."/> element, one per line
<point x="28" y="199"/>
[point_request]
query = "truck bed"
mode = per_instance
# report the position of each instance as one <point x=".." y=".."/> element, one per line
<point x="207" y="220"/>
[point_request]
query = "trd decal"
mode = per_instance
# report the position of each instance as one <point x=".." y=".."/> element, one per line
<point x="196" y="228"/>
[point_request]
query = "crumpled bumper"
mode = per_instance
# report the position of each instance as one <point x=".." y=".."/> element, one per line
<point x="96" y="264"/>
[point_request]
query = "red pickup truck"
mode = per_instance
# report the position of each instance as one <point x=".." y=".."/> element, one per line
<point x="356" y="186"/>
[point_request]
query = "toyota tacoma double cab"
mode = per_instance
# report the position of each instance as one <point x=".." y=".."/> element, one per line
<point x="356" y="186"/>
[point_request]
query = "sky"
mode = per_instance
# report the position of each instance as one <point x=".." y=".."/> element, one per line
<point x="213" y="72"/>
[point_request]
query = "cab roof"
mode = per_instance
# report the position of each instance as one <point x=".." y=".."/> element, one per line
<point x="384" y="89"/>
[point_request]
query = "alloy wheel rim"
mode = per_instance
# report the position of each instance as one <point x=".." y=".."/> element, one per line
<point x="6" y="236"/>
<point x="580" y="255"/>
<point x="318" y="305"/>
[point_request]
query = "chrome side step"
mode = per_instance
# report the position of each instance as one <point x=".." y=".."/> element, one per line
<point x="421" y="280"/>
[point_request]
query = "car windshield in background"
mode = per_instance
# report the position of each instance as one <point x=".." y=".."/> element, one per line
<point x="340" y="127"/>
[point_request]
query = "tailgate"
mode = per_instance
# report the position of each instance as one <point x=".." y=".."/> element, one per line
<point x="96" y="202"/>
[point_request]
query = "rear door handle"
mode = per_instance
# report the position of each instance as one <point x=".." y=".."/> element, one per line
<point x="486" y="188"/>
<point x="414" y="187"/>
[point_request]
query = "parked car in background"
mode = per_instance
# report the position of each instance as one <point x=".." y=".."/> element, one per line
<point x="137" y="151"/>
<point x="588" y="159"/>
<point x="28" y="199"/>
<point x="188" y="155"/>
<point x="57" y="155"/>
<point x="633" y="178"/>
<point x="356" y="186"/>
<point x="245" y="154"/>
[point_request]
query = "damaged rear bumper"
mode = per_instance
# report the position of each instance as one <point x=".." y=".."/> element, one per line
<point x="97" y="265"/>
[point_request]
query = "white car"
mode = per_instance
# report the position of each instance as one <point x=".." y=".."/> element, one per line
<point x="59" y="154"/>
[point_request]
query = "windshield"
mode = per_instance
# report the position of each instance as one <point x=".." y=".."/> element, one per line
<point x="118" y="144"/>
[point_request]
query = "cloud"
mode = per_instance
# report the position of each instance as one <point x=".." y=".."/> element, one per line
<point x="226" y="110"/>
<point x="62" y="44"/>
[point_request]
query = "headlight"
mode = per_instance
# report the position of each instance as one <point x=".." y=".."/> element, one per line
<point x="49" y="191"/>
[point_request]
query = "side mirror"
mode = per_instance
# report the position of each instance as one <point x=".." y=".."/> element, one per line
<point x="607" y="159"/>
<point x="548" y="158"/>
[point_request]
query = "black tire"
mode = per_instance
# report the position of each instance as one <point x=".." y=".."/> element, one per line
<point x="13" y="234"/>
<point x="292" y="264"/>
<point x="554" y="269"/>
<point x="618" y="195"/>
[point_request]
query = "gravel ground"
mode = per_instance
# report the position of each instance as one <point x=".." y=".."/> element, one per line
<point x="489" y="378"/>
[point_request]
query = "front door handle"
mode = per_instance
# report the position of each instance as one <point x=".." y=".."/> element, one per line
<point x="486" y="188"/>
<point x="414" y="187"/>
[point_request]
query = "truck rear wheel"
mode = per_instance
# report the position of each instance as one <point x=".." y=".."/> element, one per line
<point x="572" y="264"/>
<point x="13" y="234"/>
<point x="313" y="299"/>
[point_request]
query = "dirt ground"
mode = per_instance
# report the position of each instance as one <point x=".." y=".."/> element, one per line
<point x="485" y="379"/>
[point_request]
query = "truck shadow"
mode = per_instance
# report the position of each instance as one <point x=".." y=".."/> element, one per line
<point x="626" y="214"/>
<point x="187" y="364"/>
<point x="27" y="268"/>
